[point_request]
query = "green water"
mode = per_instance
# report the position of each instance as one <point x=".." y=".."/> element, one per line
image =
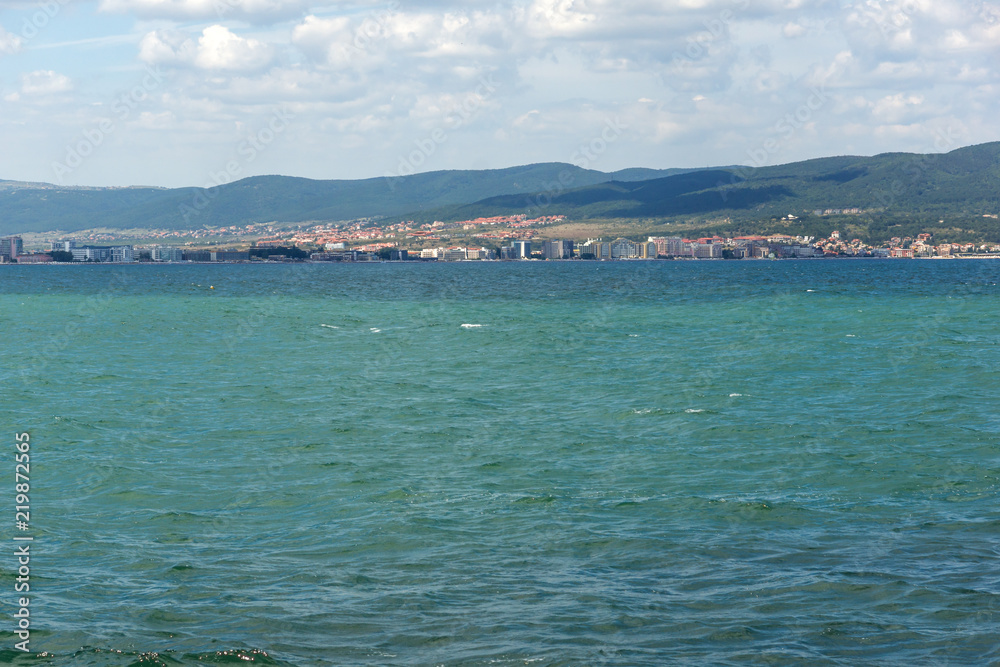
<point x="731" y="463"/>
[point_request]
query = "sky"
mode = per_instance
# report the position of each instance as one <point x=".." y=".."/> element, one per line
<point x="202" y="92"/>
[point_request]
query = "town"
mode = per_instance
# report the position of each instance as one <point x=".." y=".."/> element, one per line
<point x="358" y="243"/>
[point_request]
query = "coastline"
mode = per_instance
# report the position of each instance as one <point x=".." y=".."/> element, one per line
<point x="514" y="261"/>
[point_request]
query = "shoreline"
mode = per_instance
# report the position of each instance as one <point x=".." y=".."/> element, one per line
<point x="515" y="261"/>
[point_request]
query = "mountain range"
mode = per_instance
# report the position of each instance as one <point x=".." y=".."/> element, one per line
<point x="889" y="189"/>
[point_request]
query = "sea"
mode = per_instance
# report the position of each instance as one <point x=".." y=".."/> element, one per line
<point x="518" y="463"/>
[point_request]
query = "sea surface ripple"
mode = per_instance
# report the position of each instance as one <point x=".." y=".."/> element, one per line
<point x="535" y="463"/>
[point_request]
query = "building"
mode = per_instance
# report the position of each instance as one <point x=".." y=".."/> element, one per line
<point x="624" y="249"/>
<point x="522" y="249"/>
<point x="749" y="247"/>
<point x="10" y="248"/>
<point x="480" y="253"/>
<point x="668" y="246"/>
<point x="217" y="255"/>
<point x="230" y="256"/>
<point x="800" y="251"/>
<point x="704" y="250"/>
<point x="87" y="253"/>
<point x="64" y="246"/>
<point x="558" y="249"/>
<point x="594" y="249"/>
<point x="454" y="255"/>
<point x="122" y="253"/>
<point x="37" y="258"/>
<point x="336" y="256"/>
<point x="397" y="255"/>
<point x="165" y="253"/>
<point x="91" y="254"/>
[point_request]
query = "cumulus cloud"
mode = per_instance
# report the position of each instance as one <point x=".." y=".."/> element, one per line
<point x="216" y="49"/>
<point x="920" y="28"/>
<point x="623" y="35"/>
<point x="220" y="49"/>
<point x="564" y="62"/>
<point x="696" y="81"/>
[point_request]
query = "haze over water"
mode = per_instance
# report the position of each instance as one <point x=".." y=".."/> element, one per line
<point x="629" y="463"/>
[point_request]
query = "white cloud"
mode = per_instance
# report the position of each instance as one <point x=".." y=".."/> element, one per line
<point x="696" y="81"/>
<point x="220" y="49"/>
<point x="9" y="43"/>
<point x="217" y="49"/>
<point x="549" y="18"/>
<point x="792" y="30"/>
<point x="166" y="47"/>
<point x="44" y="82"/>
<point x="329" y="40"/>
<point x="898" y="107"/>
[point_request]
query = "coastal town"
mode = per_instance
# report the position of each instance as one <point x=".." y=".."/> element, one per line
<point x="502" y="238"/>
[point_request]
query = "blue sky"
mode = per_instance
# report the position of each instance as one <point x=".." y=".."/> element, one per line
<point x="199" y="92"/>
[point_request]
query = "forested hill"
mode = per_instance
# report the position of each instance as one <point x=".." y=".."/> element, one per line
<point x="964" y="184"/>
<point x="26" y="207"/>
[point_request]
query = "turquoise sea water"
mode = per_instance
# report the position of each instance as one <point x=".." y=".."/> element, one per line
<point x="726" y="463"/>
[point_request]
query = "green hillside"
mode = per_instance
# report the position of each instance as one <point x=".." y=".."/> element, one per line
<point x="30" y="207"/>
<point x="894" y="191"/>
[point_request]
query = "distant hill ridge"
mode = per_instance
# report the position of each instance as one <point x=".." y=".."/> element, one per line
<point x="963" y="182"/>
<point x="26" y="207"/>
